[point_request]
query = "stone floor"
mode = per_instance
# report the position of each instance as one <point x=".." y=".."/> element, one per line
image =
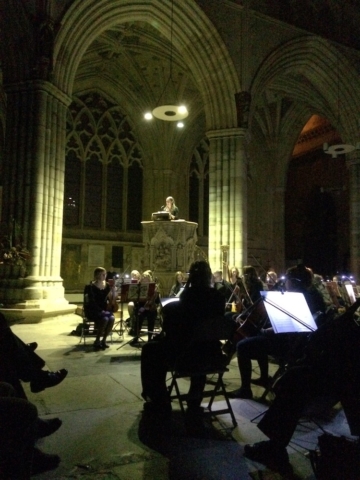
<point x="103" y="435"/>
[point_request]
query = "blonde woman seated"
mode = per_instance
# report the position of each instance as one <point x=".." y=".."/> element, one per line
<point x="179" y="283"/>
<point x="100" y="305"/>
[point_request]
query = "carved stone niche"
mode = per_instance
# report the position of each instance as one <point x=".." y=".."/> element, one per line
<point x="169" y="247"/>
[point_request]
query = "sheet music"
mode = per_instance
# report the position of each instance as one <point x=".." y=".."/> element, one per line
<point x="350" y="292"/>
<point x="278" y="307"/>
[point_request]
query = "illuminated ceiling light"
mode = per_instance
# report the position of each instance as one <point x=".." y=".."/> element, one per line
<point x="180" y="125"/>
<point x="165" y="110"/>
<point x="341" y="148"/>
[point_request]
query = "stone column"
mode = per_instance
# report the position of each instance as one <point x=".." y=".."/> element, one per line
<point x="353" y="163"/>
<point x="34" y="167"/>
<point x="227" y="197"/>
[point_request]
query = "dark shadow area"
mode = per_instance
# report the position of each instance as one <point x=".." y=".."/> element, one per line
<point x="212" y="454"/>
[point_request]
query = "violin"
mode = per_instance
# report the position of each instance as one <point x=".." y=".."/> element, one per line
<point x="112" y="303"/>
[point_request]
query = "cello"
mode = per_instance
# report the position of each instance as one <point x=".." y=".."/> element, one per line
<point x="250" y="321"/>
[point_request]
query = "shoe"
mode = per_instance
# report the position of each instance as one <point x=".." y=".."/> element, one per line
<point x="97" y="345"/>
<point x="269" y="454"/>
<point x="104" y="345"/>
<point x="42" y="462"/>
<point x="47" y="380"/>
<point x="262" y="382"/>
<point x="33" y="346"/>
<point x="47" y="427"/>
<point x="243" y="393"/>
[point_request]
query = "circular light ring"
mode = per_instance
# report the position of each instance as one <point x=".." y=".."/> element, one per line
<point x="340" y="149"/>
<point x="169" y="113"/>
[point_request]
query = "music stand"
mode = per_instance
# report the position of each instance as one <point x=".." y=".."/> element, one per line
<point x="123" y="289"/>
<point x="284" y="310"/>
<point x="138" y="292"/>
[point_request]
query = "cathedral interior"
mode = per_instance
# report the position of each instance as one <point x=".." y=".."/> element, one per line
<point x="268" y="151"/>
<point x="264" y="166"/>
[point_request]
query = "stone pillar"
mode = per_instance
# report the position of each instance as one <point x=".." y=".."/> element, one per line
<point x="227" y="197"/>
<point x="353" y="163"/>
<point x="34" y="167"/>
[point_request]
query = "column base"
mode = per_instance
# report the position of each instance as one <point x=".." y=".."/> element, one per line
<point x="22" y="313"/>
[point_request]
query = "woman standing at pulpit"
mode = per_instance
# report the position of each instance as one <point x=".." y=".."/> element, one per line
<point x="171" y="208"/>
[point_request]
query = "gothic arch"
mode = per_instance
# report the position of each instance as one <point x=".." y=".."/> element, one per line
<point x="193" y="35"/>
<point x="319" y="63"/>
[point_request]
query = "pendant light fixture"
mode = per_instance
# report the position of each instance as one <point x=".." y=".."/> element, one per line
<point x="164" y="108"/>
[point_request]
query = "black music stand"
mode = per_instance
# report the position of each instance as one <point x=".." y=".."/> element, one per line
<point x="123" y="289"/>
<point x="138" y="292"/>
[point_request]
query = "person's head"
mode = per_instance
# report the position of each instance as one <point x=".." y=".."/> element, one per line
<point x="318" y="279"/>
<point x="170" y="203"/>
<point x="249" y="273"/>
<point x="99" y="273"/>
<point x="298" y="278"/>
<point x="179" y="277"/>
<point x="217" y="276"/>
<point x="199" y="274"/>
<point x="234" y="272"/>
<point x="147" y="276"/>
<point x="135" y="275"/>
<point x="271" y="277"/>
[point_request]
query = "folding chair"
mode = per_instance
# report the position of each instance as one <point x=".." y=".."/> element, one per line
<point x="215" y="330"/>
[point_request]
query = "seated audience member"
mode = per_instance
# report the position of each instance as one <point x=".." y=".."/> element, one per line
<point x="145" y="309"/>
<point x="198" y="304"/>
<point x="18" y="361"/>
<point x="19" y="430"/>
<point x="330" y="368"/>
<point x="99" y="306"/>
<point x="179" y="280"/>
<point x="266" y="342"/>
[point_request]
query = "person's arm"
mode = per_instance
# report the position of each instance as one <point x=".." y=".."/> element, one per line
<point x="175" y="214"/>
<point x="90" y="303"/>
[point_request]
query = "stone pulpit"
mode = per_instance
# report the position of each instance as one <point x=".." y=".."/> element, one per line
<point x="170" y="246"/>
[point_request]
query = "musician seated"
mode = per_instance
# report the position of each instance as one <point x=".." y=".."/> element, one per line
<point x="223" y="286"/>
<point x="266" y="342"/>
<point x="178" y="285"/>
<point x="331" y="367"/>
<point x="198" y="304"/>
<point x="145" y="309"/>
<point x="100" y="305"/>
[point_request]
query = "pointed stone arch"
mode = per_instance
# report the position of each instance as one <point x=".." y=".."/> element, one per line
<point x="193" y="35"/>
<point x="321" y="64"/>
